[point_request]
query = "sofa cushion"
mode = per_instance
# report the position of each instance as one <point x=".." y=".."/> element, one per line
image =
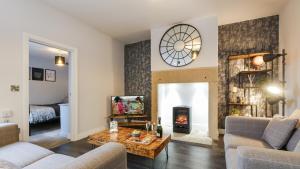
<point x="7" y="165"/>
<point x="292" y="143"/>
<point x="278" y="131"/>
<point x="22" y="153"/>
<point x="231" y="158"/>
<point x="296" y="115"/>
<point x="233" y="141"/>
<point x="53" y="161"/>
<point x="297" y="148"/>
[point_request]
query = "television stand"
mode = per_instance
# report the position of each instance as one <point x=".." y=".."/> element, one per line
<point x="132" y="120"/>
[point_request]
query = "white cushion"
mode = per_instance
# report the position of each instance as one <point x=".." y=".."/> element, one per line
<point x="22" y="153"/>
<point x="7" y="165"/>
<point x="53" y="161"/>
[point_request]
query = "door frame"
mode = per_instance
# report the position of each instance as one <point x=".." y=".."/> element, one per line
<point x="73" y="84"/>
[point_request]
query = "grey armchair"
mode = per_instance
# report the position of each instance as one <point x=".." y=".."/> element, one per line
<point x="245" y="149"/>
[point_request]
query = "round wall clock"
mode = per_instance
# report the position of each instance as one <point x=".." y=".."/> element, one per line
<point x="180" y="45"/>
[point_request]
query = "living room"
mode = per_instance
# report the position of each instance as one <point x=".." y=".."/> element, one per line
<point x="194" y="84"/>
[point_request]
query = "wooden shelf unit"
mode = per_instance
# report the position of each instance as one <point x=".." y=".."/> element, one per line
<point x="265" y="71"/>
<point x="129" y="120"/>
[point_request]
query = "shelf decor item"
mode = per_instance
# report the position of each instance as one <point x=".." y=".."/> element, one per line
<point x="113" y="127"/>
<point x="180" y="45"/>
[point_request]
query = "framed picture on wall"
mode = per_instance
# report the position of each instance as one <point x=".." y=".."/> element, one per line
<point x="37" y="74"/>
<point x="50" y="75"/>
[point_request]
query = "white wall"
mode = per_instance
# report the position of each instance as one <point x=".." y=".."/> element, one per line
<point x="45" y="92"/>
<point x="208" y="57"/>
<point x="97" y="54"/>
<point x="193" y="95"/>
<point x="290" y="40"/>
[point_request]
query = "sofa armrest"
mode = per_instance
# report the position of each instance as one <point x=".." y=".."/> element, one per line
<point x="108" y="156"/>
<point x="9" y="133"/>
<point x="253" y="127"/>
<point x="251" y="157"/>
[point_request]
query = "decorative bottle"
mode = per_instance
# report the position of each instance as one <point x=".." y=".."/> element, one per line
<point x="159" y="130"/>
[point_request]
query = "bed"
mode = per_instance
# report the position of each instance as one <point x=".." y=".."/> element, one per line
<point x="43" y="113"/>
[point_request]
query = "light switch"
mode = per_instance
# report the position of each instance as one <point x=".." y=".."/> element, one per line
<point x="14" y="88"/>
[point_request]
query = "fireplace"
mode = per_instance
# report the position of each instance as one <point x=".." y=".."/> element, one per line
<point x="181" y="120"/>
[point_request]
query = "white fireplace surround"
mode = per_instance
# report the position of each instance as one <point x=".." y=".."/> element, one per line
<point x="193" y="95"/>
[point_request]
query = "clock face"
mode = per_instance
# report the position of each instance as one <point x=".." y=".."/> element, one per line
<point x="180" y="45"/>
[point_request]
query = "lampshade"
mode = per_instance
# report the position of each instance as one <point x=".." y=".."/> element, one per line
<point x="60" y="60"/>
<point x="274" y="93"/>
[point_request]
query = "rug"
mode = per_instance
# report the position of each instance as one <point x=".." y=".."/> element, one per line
<point x="196" y="136"/>
<point x="49" y="140"/>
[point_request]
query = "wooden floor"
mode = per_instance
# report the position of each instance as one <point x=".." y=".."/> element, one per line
<point x="181" y="156"/>
<point x="44" y="127"/>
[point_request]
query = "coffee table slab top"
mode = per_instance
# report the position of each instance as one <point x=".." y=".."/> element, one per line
<point x="149" y="151"/>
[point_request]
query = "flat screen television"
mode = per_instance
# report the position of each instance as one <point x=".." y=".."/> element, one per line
<point x="128" y="105"/>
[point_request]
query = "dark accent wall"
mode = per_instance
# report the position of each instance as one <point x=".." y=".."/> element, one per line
<point x="251" y="36"/>
<point x="138" y="71"/>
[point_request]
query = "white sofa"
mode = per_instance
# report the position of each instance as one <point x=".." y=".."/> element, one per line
<point x="29" y="156"/>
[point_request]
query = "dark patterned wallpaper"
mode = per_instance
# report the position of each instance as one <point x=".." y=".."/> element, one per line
<point x="138" y="71"/>
<point x="251" y="36"/>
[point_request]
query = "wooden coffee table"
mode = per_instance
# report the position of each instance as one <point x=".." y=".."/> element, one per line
<point x="150" y="151"/>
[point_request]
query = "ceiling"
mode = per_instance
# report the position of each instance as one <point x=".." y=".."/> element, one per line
<point x="39" y="51"/>
<point x="131" y="20"/>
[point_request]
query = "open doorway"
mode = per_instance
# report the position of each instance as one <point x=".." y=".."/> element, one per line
<point x="67" y="109"/>
<point x="49" y="115"/>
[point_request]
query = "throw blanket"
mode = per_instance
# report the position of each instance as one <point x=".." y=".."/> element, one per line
<point x="39" y="114"/>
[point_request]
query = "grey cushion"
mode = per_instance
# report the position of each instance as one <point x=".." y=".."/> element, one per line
<point x="53" y="161"/>
<point x="7" y="165"/>
<point x="297" y="148"/>
<point x="22" y="153"/>
<point x="233" y="141"/>
<point x="278" y="132"/>
<point x="293" y="140"/>
<point x="231" y="158"/>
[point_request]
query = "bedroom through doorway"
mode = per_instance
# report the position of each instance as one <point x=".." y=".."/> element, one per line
<point x="49" y="116"/>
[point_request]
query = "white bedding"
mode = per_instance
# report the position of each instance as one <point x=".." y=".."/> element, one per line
<point x="39" y="114"/>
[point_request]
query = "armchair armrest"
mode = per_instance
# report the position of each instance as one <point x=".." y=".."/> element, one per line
<point x="108" y="156"/>
<point x="246" y="126"/>
<point x="251" y="157"/>
<point x="9" y="133"/>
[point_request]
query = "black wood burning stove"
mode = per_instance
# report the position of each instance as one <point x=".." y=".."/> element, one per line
<point x="182" y="120"/>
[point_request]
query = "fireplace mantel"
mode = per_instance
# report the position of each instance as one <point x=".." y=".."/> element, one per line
<point x="209" y="75"/>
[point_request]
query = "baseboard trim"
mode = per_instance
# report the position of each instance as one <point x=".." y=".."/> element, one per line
<point x="89" y="132"/>
<point x="221" y="131"/>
